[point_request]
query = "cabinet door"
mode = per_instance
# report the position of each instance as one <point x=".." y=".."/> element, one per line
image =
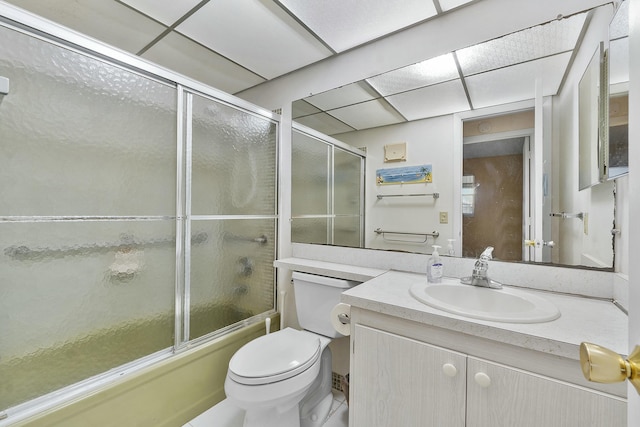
<point x="501" y="396"/>
<point x="397" y="381"/>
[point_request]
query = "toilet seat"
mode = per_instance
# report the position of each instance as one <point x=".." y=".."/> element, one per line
<point x="275" y="357"/>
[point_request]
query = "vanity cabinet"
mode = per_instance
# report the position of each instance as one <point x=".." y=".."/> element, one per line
<point x="397" y="381"/>
<point x="400" y="381"/>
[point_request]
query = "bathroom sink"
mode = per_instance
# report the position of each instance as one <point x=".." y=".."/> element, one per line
<point x="499" y="305"/>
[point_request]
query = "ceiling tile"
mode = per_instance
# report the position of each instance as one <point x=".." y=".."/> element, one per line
<point x="181" y="54"/>
<point x="425" y="73"/>
<point x="518" y="82"/>
<point x="346" y="24"/>
<point x="431" y="101"/>
<point x="107" y="21"/>
<point x="302" y="108"/>
<point x="620" y="25"/>
<point x="322" y="122"/>
<point x="536" y="42"/>
<point x="342" y="96"/>
<point x="368" y="114"/>
<point x="256" y="34"/>
<point x="451" y="4"/>
<point x="167" y="12"/>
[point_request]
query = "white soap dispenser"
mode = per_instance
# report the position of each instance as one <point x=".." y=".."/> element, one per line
<point x="450" y="250"/>
<point x="434" y="267"/>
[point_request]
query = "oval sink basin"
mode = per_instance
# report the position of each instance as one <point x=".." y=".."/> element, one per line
<point x="498" y="305"/>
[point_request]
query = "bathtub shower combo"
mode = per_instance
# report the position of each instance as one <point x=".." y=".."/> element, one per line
<point x="138" y="212"/>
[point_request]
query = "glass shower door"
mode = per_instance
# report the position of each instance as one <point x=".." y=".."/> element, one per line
<point x="347" y="198"/>
<point x="87" y="216"/>
<point x="231" y="192"/>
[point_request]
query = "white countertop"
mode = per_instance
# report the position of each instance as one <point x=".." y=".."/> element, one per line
<point x="582" y="319"/>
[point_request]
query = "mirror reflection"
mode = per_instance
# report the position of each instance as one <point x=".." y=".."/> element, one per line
<point x="419" y="106"/>
<point x="618" y="107"/>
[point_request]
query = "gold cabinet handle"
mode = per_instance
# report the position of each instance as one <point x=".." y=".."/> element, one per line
<point x="601" y="365"/>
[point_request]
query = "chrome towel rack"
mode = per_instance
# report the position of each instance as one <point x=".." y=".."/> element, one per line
<point x="434" y="195"/>
<point x="128" y="242"/>
<point x="382" y="232"/>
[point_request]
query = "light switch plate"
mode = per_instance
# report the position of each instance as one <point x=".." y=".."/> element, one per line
<point x="444" y="217"/>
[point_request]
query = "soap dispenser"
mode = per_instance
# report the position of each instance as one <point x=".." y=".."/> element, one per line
<point x="434" y="267"/>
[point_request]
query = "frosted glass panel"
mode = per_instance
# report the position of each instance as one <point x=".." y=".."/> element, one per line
<point x="348" y="174"/>
<point x="234" y="161"/>
<point x="232" y="272"/>
<point x="80" y="298"/>
<point x="346" y="231"/>
<point x="81" y="136"/>
<point x="310" y="230"/>
<point x="310" y="176"/>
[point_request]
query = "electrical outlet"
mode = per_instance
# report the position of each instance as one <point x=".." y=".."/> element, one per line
<point x="444" y="217"/>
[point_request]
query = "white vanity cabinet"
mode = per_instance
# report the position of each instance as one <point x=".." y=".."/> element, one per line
<point x="397" y="381"/>
<point x="401" y="381"/>
<point x="502" y="396"/>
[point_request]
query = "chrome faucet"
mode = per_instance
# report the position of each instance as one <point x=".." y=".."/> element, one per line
<point x="479" y="277"/>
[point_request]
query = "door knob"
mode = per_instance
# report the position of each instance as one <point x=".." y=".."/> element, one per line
<point x="601" y="365"/>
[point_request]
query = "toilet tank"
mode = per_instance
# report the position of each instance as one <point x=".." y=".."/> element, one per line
<point x="315" y="298"/>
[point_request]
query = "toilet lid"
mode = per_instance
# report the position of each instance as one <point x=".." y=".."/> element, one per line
<point x="274" y="357"/>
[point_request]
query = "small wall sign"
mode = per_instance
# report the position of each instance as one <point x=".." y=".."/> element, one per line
<point x="404" y="175"/>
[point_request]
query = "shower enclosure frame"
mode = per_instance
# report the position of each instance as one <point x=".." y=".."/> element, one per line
<point x="16" y="19"/>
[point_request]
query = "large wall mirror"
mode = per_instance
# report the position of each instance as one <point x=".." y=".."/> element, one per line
<point x="414" y="114"/>
<point x="591" y="111"/>
<point x="618" y="107"/>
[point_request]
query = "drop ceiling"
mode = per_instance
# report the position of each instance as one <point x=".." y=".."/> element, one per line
<point x="495" y="72"/>
<point x="235" y="45"/>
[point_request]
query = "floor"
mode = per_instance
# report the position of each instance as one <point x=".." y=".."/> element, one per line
<point x="338" y="416"/>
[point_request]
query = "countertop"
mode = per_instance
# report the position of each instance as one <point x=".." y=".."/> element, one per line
<point x="582" y="319"/>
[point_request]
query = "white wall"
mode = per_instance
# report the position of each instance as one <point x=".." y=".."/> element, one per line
<point x="428" y="141"/>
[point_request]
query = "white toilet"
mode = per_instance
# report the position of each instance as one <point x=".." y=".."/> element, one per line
<point x="283" y="379"/>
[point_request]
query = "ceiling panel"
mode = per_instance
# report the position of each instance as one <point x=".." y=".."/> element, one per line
<point x="535" y="42"/>
<point x="346" y="24"/>
<point x="323" y="122"/>
<point x="620" y="25"/>
<point x="425" y="73"/>
<point x="368" y="114"/>
<point x="303" y="108"/>
<point x="180" y="54"/>
<point x="167" y="12"/>
<point x="107" y="21"/>
<point x="451" y="4"/>
<point x="431" y="101"/>
<point x="256" y="34"/>
<point x="345" y="95"/>
<point x="518" y="82"/>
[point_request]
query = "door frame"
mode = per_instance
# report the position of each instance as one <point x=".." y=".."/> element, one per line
<point x="527" y="193"/>
<point x="458" y="141"/>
